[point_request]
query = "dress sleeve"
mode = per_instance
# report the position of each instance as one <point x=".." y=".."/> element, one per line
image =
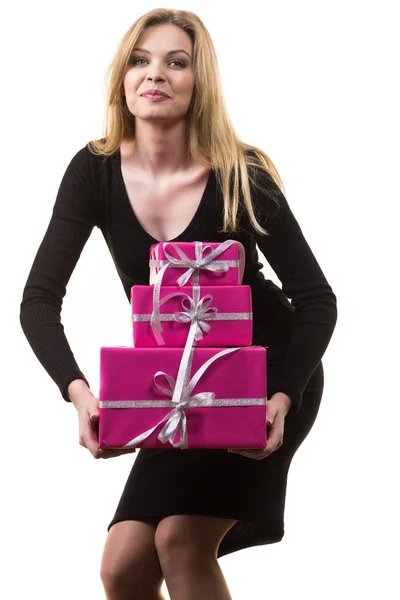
<point x="303" y="281"/>
<point x="73" y="217"/>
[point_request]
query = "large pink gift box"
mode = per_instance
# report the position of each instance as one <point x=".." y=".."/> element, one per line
<point x="137" y="393"/>
<point x="197" y="263"/>
<point x="224" y="315"/>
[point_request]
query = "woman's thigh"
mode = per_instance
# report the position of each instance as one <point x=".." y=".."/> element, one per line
<point x="130" y="559"/>
<point x="190" y="536"/>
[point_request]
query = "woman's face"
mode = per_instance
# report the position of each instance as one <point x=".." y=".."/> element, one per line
<point x="152" y="67"/>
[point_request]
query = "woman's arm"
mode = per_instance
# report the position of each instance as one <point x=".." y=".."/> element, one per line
<point x="74" y="215"/>
<point x="303" y="281"/>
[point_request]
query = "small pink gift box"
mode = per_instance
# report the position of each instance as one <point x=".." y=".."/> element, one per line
<point x="222" y="406"/>
<point x="197" y="263"/>
<point x="224" y="315"/>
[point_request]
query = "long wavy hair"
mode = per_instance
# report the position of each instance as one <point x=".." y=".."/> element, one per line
<point x="210" y="136"/>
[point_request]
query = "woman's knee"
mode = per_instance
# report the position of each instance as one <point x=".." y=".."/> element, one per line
<point x="189" y="538"/>
<point x="130" y="560"/>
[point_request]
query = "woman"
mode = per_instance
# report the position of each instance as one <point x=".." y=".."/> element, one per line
<point x="172" y="168"/>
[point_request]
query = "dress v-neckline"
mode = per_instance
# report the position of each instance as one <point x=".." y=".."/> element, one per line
<point x="193" y="222"/>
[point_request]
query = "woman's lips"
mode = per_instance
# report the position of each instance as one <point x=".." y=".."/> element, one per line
<point x="155" y="97"/>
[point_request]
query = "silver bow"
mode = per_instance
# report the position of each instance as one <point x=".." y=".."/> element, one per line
<point x="197" y="311"/>
<point x="200" y="262"/>
<point x="181" y="392"/>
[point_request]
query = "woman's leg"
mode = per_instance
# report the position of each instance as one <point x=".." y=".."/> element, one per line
<point x="130" y="569"/>
<point x="187" y="547"/>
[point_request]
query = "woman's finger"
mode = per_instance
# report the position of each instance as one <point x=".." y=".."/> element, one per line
<point x="275" y="437"/>
<point x="86" y="436"/>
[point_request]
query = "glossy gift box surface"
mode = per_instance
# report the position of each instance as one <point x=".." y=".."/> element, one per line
<point x="137" y="387"/>
<point x="166" y="257"/>
<point x="224" y="315"/>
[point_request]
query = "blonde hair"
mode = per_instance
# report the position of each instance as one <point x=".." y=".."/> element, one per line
<point x="210" y="136"/>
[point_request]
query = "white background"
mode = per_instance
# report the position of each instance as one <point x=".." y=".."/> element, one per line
<point x="314" y="84"/>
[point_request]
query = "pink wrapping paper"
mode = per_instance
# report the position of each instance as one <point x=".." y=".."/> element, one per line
<point x="233" y="304"/>
<point x="127" y="374"/>
<point x="233" y="276"/>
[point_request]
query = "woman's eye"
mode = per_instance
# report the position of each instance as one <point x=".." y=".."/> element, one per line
<point x="134" y="61"/>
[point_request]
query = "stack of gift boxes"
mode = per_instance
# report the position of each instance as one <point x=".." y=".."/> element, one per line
<point x="191" y="378"/>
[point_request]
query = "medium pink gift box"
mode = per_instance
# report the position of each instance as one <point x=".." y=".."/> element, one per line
<point x="137" y="389"/>
<point x="224" y="315"/>
<point x="191" y="263"/>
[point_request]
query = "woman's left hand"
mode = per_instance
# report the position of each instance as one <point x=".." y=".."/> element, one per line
<point x="277" y="408"/>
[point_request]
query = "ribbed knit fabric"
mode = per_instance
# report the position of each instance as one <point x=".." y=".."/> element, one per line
<point x="92" y="194"/>
<point x="169" y="481"/>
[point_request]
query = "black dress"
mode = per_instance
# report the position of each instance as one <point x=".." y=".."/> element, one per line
<point x="169" y="481"/>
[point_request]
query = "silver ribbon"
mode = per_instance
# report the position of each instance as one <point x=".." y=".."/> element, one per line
<point x="207" y="262"/>
<point x="168" y="317"/>
<point x="170" y="404"/>
<point x="181" y="393"/>
<point x="198" y="311"/>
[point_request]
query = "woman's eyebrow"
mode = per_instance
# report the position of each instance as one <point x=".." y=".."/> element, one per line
<point x="167" y="54"/>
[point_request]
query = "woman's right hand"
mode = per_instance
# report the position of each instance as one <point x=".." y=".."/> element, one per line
<point x="87" y="406"/>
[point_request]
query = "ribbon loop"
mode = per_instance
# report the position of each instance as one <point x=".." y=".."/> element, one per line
<point x="194" y="310"/>
<point x="200" y="262"/>
<point x="197" y="311"/>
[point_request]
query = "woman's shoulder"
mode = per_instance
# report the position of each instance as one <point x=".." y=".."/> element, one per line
<point x="92" y="166"/>
<point x="89" y="171"/>
<point x="96" y="157"/>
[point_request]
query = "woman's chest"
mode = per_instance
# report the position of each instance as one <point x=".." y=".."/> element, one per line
<point x="166" y="208"/>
